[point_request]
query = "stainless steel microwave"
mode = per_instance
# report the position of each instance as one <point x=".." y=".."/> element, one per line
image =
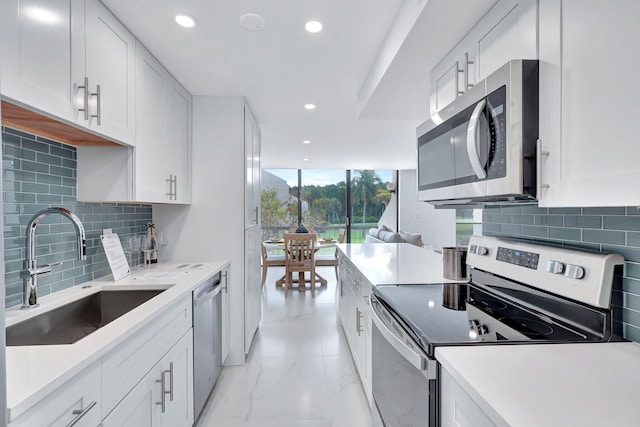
<point x="481" y="148"/>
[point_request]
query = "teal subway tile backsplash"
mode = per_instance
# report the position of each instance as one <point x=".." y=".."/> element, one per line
<point x="39" y="173"/>
<point x="604" y="229"/>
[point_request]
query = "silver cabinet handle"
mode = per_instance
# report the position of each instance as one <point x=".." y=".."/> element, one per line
<point x="170" y="381"/>
<point x="163" y="387"/>
<point x="466" y="71"/>
<point x="85" y="98"/>
<point x="457" y="83"/>
<point x="472" y="131"/>
<point x="98" y="96"/>
<point x="358" y="321"/>
<point x="539" y="154"/>
<point x="256" y="211"/>
<point x="225" y="288"/>
<point x="79" y="413"/>
<point x="175" y="187"/>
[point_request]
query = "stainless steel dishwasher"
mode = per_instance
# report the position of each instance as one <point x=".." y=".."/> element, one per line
<point x="207" y="340"/>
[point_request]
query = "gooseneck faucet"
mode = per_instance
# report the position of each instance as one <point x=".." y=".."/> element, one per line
<point x="31" y="269"/>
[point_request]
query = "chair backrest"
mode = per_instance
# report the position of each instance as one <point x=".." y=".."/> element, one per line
<point x="299" y="249"/>
<point x="341" y="233"/>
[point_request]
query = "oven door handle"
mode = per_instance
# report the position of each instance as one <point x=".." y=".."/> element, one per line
<point x="416" y="359"/>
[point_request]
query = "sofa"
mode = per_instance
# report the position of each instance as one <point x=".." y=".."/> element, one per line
<point x="386" y="235"/>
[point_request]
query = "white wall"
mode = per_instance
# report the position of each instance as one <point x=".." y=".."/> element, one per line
<point x="437" y="226"/>
<point x="212" y="227"/>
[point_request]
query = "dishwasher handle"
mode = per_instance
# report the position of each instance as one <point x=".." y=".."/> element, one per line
<point x="207" y="296"/>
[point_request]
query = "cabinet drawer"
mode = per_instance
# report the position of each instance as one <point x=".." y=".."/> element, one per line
<point x="80" y="394"/>
<point x="128" y="364"/>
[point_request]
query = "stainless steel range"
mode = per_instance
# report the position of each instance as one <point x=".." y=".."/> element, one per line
<point x="518" y="293"/>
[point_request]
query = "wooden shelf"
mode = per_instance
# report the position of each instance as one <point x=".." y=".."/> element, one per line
<point x="20" y="118"/>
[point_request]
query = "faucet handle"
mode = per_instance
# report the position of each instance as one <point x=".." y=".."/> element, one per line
<point x="46" y="268"/>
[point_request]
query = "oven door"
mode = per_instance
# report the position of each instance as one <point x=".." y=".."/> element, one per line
<point x="404" y="379"/>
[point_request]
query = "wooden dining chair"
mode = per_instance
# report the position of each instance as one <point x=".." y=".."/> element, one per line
<point x="299" y="253"/>
<point x="270" y="260"/>
<point x="331" y="260"/>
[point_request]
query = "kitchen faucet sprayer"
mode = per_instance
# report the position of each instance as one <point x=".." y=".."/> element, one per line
<point x="31" y="269"/>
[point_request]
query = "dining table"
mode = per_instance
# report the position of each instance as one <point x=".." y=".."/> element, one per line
<point x="320" y="244"/>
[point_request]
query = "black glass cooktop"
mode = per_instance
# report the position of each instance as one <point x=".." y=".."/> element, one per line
<point x="461" y="314"/>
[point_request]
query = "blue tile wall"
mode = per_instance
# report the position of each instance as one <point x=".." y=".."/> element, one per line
<point x="613" y="230"/>
<point x="40" y="173"/>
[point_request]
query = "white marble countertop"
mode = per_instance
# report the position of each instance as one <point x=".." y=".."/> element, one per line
<point x="35" y="371"/>
<point x="588" y="384"/>
<point x="395" y="263"/>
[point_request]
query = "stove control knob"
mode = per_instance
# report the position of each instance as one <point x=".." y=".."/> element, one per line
<point x="478" y="327"/>
<point x="574" y="271"/>
<point x="479" y="250"/>
<point x="555" y="267"/>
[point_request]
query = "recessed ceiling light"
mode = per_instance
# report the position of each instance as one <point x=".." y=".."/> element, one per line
<point x="252" y="21"/>
<point x="310" y="106"/>
<point x="306" y="141"/>
<point x="313" y="26"/>
<point x="185" y="20"/>
<point x="305" y="159"/>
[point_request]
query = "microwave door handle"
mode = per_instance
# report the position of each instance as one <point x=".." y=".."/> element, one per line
<point x="472" y="132"/>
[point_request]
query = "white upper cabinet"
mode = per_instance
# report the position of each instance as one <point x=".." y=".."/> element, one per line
<point x="588" y="103"/>
<point x="508" y="31"/>
<point x="45" y="42"/>
<point x="252" y="190"/>
<point x="73" y="61"/>
<point x="110" y="71"/>
<point x="158" y="169"/>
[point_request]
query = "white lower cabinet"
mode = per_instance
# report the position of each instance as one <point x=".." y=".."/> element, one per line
<point x="355" y="316"/>
<point x="457" y="408"/>
<point x="164" y="397"/>
<point x="145" y="381"/>
<point x="79" y="399"/>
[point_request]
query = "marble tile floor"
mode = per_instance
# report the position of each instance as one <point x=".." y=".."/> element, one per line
<point x="299" y="372"/>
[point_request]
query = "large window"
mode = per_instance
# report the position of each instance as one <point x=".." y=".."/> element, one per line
<point x="468" y="223"/>
<point x="326" y="200"/>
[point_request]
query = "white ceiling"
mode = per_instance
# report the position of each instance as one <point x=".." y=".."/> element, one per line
<point x="283" y="67"/>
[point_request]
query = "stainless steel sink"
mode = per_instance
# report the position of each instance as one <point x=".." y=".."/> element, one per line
<point x="76" y="320"/>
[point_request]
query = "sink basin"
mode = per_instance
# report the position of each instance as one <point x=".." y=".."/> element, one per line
<point x="76" y="320"/>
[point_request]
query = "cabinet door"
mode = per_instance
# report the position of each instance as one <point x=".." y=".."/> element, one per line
<point x="140" y="407"/>
<point x="509" y="31"/>
<point x="226" y="319"/>
<point x="45" y="41"/>
<point x="178" y="142"/>
<point x="177" y="367"/>
<point x="110" y="68"/>
<point x="252" y="285"/>
<point x="588" y="103"/>
<point x="150" y="180"/>
<point x="252" y="182"/>
<point x="445" y="85"/>
<point x="80" y="395"/>
<point x="457" y="409"/>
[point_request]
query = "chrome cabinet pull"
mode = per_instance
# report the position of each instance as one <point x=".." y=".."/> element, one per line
<point x="256" y="211"/>
<point x="457" y="83"/>
<point x="79" y="413"/>
<point x="170" y="381"/>
<point x="539" y="154"/>
<point x="98" y="102"/>
<point x="85" y="98"/>
<point x="173" y="187"/>
<point x="358" y="321"/>
<point x="225" y="287"/>
<point x="467" y="86"/>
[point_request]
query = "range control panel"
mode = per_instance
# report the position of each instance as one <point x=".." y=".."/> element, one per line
<point x="583" y="276"/>
<point x="517" y="257"/>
